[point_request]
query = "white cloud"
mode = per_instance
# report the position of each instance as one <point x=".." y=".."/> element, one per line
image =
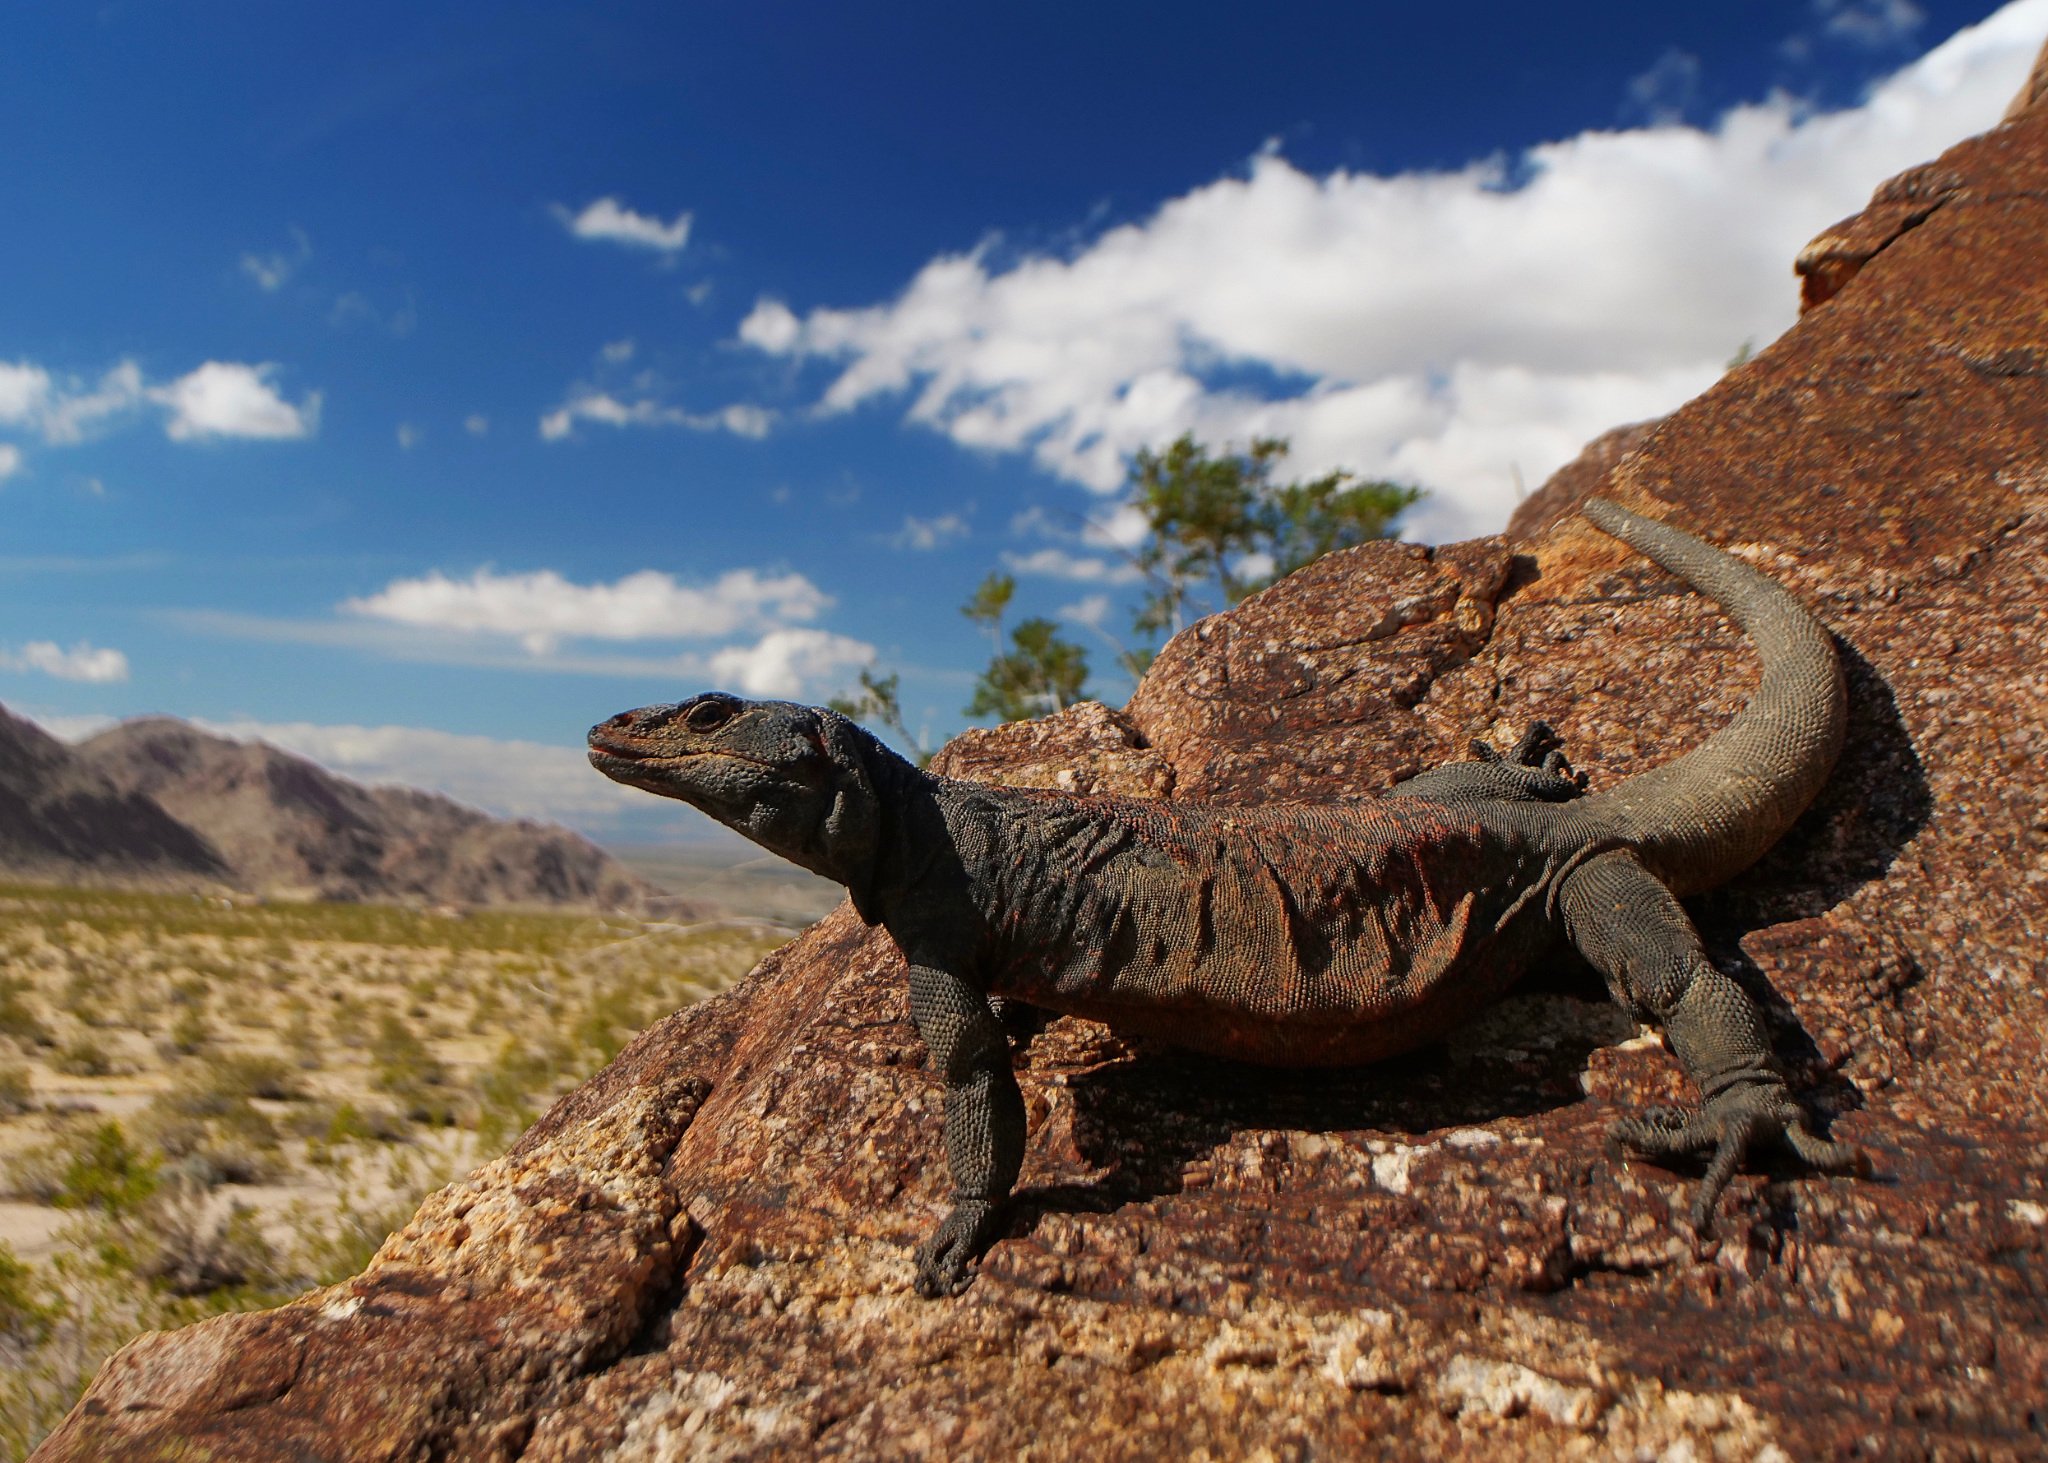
<point x="24" y="390"/>
<point x="742" y="419"/>
<point x="219" y="399"/>
<point x="476" y="424"/>
<point x="1468" y="329"/>
<point x="771" y="326"/>
<point x="63" y="411"/>
<point x="82" y="662"/>
<point x="542" y="609"/>
<point x="10" y="460"/>
<point x="271" y="271"/>
<point x="1090" y="610"/>
<point x="408" y="436"/>
<point x="617" y="351"/>
<point x="785" y="661"/>
<point x="231" y="399"/>
<point x="1058" y="563"/>
<point x="1873" y="23"/>
<point x="923" y="534"/>
<point x="612" y="221"/>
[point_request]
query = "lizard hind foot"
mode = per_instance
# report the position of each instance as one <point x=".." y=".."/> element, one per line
<point x="944" y="1259"/>
<point x="1727" y="1128"/>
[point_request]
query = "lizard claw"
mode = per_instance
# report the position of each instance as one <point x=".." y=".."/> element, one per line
<point x="1728" y="1126"/>
<point x="942" y="1260"/>
<point x="1541" y="750"/>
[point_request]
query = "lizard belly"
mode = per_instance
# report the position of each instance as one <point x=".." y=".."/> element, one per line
<point x="1328" y="936"/>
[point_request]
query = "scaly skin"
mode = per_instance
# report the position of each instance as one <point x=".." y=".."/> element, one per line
<point x="1292" y="934"/>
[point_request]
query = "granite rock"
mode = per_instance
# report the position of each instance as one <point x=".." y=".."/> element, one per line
<point x="705" y="1251"/>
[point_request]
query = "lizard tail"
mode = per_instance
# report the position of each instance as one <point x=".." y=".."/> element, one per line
<point x="1702" y="818"/>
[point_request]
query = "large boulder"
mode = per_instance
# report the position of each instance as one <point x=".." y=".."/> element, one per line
<point x="705" y="1251"/>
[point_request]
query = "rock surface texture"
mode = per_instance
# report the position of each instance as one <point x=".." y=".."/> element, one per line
<point x="705" y="1252"/>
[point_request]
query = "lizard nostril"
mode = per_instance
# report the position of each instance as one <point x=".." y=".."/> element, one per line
<point x="624" y="718"/>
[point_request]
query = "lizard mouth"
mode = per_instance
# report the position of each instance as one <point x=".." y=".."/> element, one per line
<point x="607" y="751"/>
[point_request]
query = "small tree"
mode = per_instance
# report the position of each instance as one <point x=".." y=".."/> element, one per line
<point x="1221" y="520"/>
<point x="878" y="703"/>
<point x="1035" y="672"/>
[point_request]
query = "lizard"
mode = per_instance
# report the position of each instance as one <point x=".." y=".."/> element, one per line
<point x="1299" y="933"/>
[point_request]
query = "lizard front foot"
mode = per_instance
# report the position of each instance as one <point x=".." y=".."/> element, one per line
<point x="943" y="1259"/>
<point x="1728" y="1126"/>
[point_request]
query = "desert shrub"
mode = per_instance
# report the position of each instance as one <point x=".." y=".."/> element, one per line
<point x="18" y="1018"/>
<point x="191" y="1244"/>
<point x="17" y="1089"/>
<point x="190" y="1033"/>
<point x="406" y="1068"/>
<point x="212" y="1133"/>
<point x="103" y="1171"/>
<point x="253" y="1074"/>
<point x="506" y="1089"/>
<point x="27" y="1310"/>
<point x="300" y="1037"/>
<point x="35" y="1175"/>
<point x="86" y="1055"/>
<point x="331" y="1243"/>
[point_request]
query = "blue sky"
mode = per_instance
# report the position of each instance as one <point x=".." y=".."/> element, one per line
<point x="413" y="385"/>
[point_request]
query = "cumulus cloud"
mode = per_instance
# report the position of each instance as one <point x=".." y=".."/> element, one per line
<point x="1053" y="562"/>
<point x="10" y="460"/>
<point x="1466" y="329"/>
<point x="742" y="419"/>
<point x="920" y="534"/>
<point x="219" y="399"/>
<point x="231" y="399"/>
<point x="785" y="661"/>
<point x="609" y="220"/>
<point x="543" y="608"/>
<point x="476" y="424"/>
<point x="65" y="410"/>
<point x="82" y="662"/>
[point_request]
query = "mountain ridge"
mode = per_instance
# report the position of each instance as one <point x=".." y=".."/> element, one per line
<point x="158" y="801"/>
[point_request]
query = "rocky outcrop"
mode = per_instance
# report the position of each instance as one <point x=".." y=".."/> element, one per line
<point x="1577" y="480"/>
<point x="705" y="1251"/>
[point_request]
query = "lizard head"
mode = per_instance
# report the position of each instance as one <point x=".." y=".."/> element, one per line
<point x="798" y="780"/>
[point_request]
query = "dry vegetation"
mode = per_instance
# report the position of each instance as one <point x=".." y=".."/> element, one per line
<point x="208" y="1106"/>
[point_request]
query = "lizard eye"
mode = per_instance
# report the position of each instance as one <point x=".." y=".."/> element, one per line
<point x="709" y="716"/>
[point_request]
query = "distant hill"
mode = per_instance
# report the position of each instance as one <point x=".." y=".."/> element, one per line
<point x="158" y="798"/>
<point x="60" y="817"/>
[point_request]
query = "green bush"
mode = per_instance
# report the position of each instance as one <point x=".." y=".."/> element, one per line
<point x="106" y="1173"/>
<point x="27" y="1310"/>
